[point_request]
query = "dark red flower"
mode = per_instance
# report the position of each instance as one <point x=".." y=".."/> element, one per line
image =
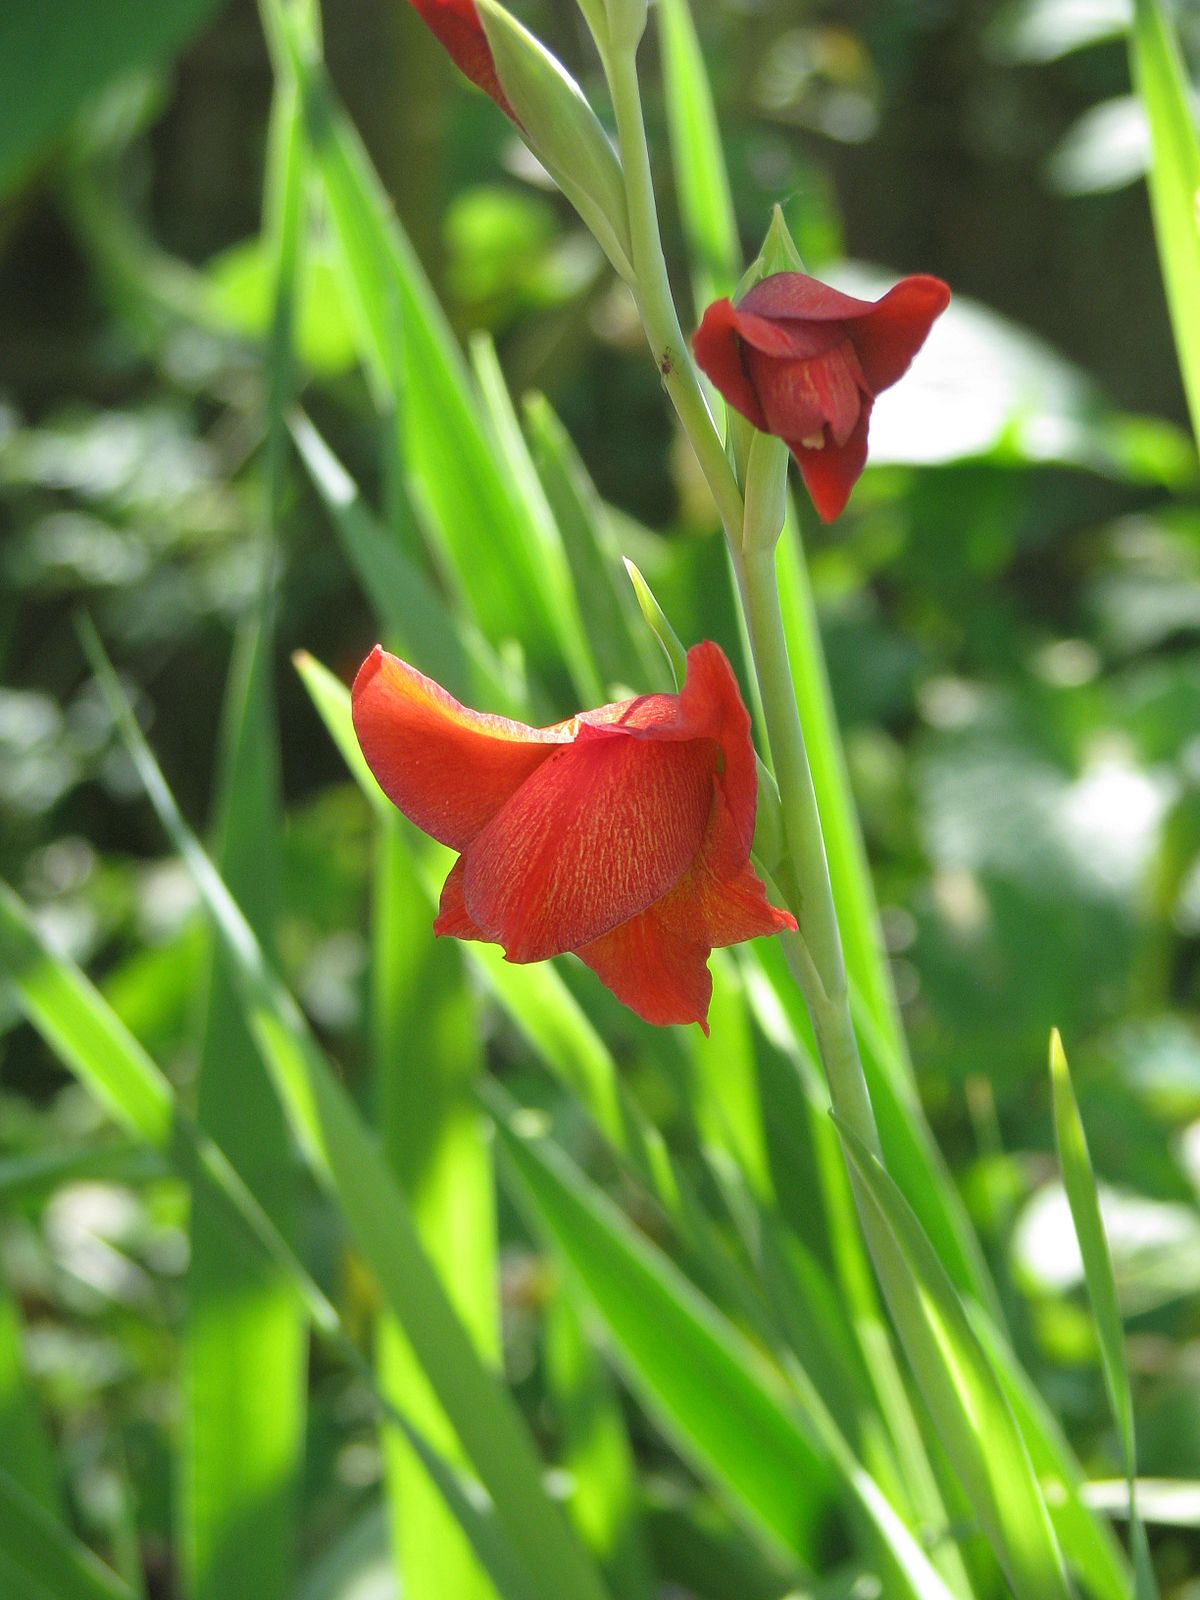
<point x="623" y="834"/>
<point x="805" y="362"/>
<point x="460" y="33"/>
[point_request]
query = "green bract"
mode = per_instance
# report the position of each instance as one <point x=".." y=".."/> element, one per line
<point x="751" y="451"/>
<point x="562" y="130"/>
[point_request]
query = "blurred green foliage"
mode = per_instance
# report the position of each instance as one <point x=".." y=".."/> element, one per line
<point x="1011" y="611"/>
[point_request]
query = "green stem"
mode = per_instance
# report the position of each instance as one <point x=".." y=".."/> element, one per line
<point x="815" y="953"/>
<point x="652" y="288"/>
<point x="822" y="972"/>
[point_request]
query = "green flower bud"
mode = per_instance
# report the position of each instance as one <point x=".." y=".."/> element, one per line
<point x="562" y="130"/>
<point x="778" y="254"/>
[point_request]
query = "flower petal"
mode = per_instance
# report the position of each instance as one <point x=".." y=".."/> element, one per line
<point x="659" y="973"/>
<point x="721" y="910"/>
<point x="718" y="349"/>
<point x="457" y="28"/>
<point x="888" y="334"/>
<point x="449" y="769"/>
<point x="711" y="705"/>
<point x="831" y="473"/>
<point x="801" y="398"/>
<point x="797" y="297"/>
<point x="453" y="920"/>
<point x="597" y="834"/>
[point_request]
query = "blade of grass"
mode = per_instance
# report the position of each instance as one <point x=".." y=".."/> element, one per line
<point x="426" y="1058"/>
<point x="81" y="1028"/>
<point x="702" y="183"/>
<point x="47" y="1555"/>
<point x="245" y="1344"/>
<point x="1161" y="82"/>
<point x="408" y="345"/>
<point x="408" y="605"/>
<point x="717" y="1396"/>
<point x="1087" y="1540"/>
<point x="245" y="1348"/>
<point x="1080" y="1183"/>
<point x="596" y="1453"/>
<point x="345" y="1156"/>
<point x="618" y="640"/>
<point x="795" y="1097"/>
<point x="961" y="1389"/>
<point x="547" y="544"/>
<point x="35" y="1176"/>
<point x="24" y="1441"/>
<point x="725" y="1098"/>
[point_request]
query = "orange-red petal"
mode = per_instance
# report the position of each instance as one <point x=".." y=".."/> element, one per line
<point x="449" y="769"/>
<point x="711" y="704"/>
<point x="457" y="28"/>
<point x="830" y="473"/>
<point x="802" y="398"/>
<point x="888" y="335"/>
<point x="596" y="835"/>
<point x="656" y="971"/>
<point x="795" y="297"/>
<point x="718" y="348"/>
<point x="718" y="910"/>
<point x="453" y="920"/>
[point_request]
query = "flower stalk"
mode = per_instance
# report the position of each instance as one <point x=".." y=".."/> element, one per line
<point x="752" y="526"/>
<point x="815" y="951"/>
<point x="652" y="289"/>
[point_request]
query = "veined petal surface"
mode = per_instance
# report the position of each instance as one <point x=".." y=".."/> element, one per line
<point x="449" y="769"/>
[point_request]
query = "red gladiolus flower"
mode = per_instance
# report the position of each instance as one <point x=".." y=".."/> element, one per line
<point x="805" y="362"/>
<point x="460" y="33"/>
<point x="622" y="834"/>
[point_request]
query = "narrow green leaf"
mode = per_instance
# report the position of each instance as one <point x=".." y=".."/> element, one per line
<point x="419" y="370"/>
<point x="1085" y="1538"/>
<point x="410" y="609"/>
<point x="717" y="1398"/>
<point x="346" y="1156"/>
<point x="45" y="1553"/>
<point x="618" y="639"/>
<point x="34" y="1175"/>
<point x="548" y="551"/>
<point x="1080" y="1183"/>
<point x="78" y="1024"/>
<point x="596" y="1452"/>
<point x="725" y="1091"/>
<point x="1161" y="81"/>
<point x="961" y="1389"/>
<point x="770" y="1446"/>
<point x="705" y="197"/>
<point x="245" y="1347"/>
<point x="81" y="1029"/>
<point x="24" y="1443"/>
<point x="659" y="624"/>
<point x="426" y="1058"/>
